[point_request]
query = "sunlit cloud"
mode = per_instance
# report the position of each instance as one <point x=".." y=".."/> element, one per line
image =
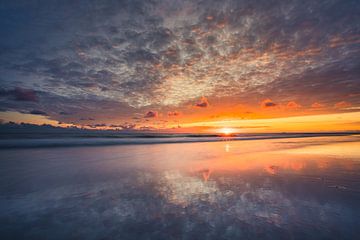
<point x="120" y="59"/>
<point x="342" y="104"/>
<point x="317" y="105"/>
<point x="293" y="105"/>
<point x="173" y="114"/>
<point x="203" y="103"/>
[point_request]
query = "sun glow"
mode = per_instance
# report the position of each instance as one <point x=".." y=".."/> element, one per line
<point x="226" y="131"/>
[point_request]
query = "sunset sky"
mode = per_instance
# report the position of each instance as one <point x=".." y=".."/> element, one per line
<point x="183" y="66"/>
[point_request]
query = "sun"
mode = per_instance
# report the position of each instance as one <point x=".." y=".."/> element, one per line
<point x="226" y="131"/>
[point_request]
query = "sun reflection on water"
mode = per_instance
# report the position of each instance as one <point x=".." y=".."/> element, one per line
<point x="269" y="189"/>
<point x="227" y="147"/>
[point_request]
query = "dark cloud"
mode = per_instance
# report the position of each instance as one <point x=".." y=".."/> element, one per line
<point x="20" y="94"/>
<point x="267" y="103"/>
<point x="270" y="104"/>
<point x="203" y="103"/>
<point x="64" y="113"/>
<point x="327" y="84"/>
<point x="173" y="114"/>
<point x="151" y="114"/>
<point x="87" y="119"/>
<point x="134" y="54"/>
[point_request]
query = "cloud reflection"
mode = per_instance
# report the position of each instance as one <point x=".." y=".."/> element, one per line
<point x="137" y="192"/>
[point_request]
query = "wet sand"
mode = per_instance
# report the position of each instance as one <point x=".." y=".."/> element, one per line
<point x="299" y="188"/>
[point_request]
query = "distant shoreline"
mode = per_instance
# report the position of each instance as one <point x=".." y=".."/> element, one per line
<point x="92" y="141"/>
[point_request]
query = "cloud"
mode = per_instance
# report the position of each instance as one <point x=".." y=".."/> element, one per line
<point x="20" y="94"/>
<point x="342" y="104"/>
<point x="97" y="125"/>
<point x="267" y="103"/>
<point x="293" y="105"/>
<point x="133" y="55"/>
<point x="38" y="112"/>
<point x="353" y="108"/>
<point x="146" y="128"/>
<point x="87" y="119"/>
<point x="203" y="103"/>
<point x="124" y="126"/>
<point x="64" y="113"/>
<point x="151" y="114"/>
<point x="173" y="114"/>
<point x="317" y="105"/>
<point x="25" y="95"/>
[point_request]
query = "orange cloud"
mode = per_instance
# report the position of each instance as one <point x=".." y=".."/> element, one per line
<point x="342" y="104"/>
<point x="317" y="105"/>
<point x="209" y="18"/>
<point x="173" y="114"/>
<point x="203" y="103"/>
<point x="293" y="105"/>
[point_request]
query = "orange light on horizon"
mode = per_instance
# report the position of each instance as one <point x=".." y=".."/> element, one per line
<point x="226" y="131"/>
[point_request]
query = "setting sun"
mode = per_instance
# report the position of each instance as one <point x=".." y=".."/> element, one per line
<point x="171" y="119"/>
<point x="227" y="131"/>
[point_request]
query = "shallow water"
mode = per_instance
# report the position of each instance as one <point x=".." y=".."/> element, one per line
<point x="301" y="188"/>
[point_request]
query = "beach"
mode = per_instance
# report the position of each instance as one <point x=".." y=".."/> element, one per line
<point x="287" y="188"/>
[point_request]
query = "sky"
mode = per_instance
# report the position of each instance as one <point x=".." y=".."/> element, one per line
<point x="254" y="66"/>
